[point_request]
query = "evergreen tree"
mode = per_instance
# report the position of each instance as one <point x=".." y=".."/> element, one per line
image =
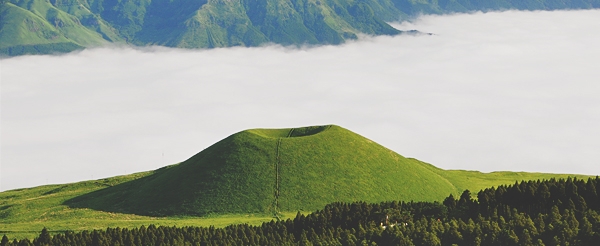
<point x="430" y="239"/>
<point x="4" y="241"/>
<point x="44" y="238"/>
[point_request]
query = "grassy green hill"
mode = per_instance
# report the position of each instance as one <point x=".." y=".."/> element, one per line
<point x="245" y="178"/>
<point x="266" y="171"/>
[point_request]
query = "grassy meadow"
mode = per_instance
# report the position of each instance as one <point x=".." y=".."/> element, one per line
<point x="249" y="177"/>
<point x="25" y="212"/>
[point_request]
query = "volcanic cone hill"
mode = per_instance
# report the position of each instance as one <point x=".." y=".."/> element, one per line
<point x="272" y="170"/>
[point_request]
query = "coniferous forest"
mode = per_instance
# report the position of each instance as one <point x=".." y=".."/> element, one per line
<point x="552" y="212"/>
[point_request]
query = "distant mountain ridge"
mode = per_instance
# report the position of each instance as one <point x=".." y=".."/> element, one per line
<point x="47" y="26"/>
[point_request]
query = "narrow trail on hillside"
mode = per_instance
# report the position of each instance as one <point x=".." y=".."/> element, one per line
<point x="277" y="176"/>
<point x="277" y="172"/>
<point x="276" y="205"/>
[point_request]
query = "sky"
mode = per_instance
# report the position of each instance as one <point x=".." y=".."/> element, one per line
<point x="509" y="91"/>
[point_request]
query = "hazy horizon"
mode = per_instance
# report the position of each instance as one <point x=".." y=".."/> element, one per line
<point x="509" y="91"/>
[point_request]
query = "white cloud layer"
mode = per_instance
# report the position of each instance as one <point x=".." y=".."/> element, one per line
<point x="512" y="91"/>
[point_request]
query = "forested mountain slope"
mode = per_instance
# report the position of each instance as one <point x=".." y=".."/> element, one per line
<point x="47" y="26"/>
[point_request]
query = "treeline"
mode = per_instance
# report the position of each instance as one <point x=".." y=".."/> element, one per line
<point x="553" y="212"/>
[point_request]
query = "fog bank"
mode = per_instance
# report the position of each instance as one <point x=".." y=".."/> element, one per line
<point x="513" y="91"/>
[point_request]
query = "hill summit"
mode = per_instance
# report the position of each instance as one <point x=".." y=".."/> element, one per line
<point x="273" y="170"/>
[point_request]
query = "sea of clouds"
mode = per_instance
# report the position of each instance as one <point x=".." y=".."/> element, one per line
<point x="516" y="91"/>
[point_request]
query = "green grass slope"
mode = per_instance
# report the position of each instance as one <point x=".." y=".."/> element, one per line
<point x="21" y="29"/>
<point x="232" y="176"/>
<point x="338" y="165"/>
<point x="267" y="171"/>
<point x="476" y="181"/>
<point x="25" y="212"/>
<point x="33" y="26"/>
<point x="245" y="178"/>
<point x="271" y="170"/>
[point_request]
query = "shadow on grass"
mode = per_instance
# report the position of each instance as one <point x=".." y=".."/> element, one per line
<point x="118" y="198"/>
<point x="232" y="176"/>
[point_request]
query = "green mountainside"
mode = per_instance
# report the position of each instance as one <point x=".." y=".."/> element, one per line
<point x="246" y="178"/>
<point x="34" y="26"/>
<point x="267" y="171"/>
<point x="49" y="26"/>
<point x="72" y="24"/>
